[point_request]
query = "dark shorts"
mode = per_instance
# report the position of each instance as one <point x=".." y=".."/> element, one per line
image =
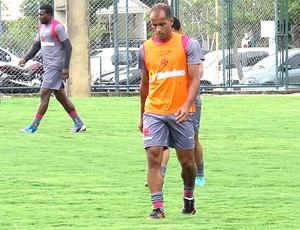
<point x="197" y="115"/>
<point x="52" y="79"/>
<point x="162" y="130"/>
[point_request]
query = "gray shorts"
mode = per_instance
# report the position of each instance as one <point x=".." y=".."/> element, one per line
<point x="52" y="79"/>
<point x="162" y="130"/>
<point x="197" y="115"/>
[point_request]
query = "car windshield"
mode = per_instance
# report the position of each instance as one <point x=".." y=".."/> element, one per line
<point x="96" y="52"/>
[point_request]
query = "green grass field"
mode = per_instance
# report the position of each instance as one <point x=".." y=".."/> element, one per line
<point x="95" y="180"/>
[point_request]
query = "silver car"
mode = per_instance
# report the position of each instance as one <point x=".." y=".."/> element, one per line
<point x="266" y="73"/>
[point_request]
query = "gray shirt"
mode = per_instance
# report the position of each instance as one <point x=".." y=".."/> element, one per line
<point x="52" y="50"/>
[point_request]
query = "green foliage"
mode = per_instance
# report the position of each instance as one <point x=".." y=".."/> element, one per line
<point x="96" y="32"/>
<point x="30" y="7"/>
<point x="15" y="36"/>
<point x="95" y="5"/>
<point x="294" y="12"/>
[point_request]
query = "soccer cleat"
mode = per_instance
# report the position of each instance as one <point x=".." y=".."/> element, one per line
<point x="200" y="181"/>
<point x="29" y="129"/>
<point x="156" y="214"/>
<point x="77" y="129"/>
<point x="189" y="207"/>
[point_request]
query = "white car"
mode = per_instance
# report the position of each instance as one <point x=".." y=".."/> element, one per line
<point x="7" y="58"/>
<point x="215" y="65"/>
<point x="102" y="63"/>
<point x="266" y="73"/>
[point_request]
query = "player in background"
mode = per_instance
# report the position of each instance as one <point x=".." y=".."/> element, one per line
<point x="56" y="49"/>
<point x="198" y="151"/>
<point x="169" y="63"/>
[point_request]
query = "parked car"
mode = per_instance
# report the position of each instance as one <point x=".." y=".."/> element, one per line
<point x="102" y="63"/>
<point x="214" y="64"/>
<point x="13" y="76"/>
<point x="132" y="78"/>
<point x="264" y="72"/>
<point x="7" y="58"/>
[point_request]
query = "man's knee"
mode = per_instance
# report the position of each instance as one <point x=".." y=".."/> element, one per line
<point x="45" y="94"/>
<point x="59" y="95"/>
<point x="187" y="160"/>
<point x="154" y="155"/>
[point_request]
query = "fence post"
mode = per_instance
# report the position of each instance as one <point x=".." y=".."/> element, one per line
<point x="175" y="8"/>
<point x="74" y="14"/>
<point x="116" y="46"/>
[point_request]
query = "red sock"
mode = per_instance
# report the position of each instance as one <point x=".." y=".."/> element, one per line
<point x="73" y="113"/>
<point x="188" y="194"/>
<point x="159" y="204"/>
<point x="38" y="116"/>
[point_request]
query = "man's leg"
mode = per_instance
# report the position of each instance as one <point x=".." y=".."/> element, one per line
<point x="69" y="107"/>
<point x="155" y="181"/>
<point x="164" y="164"/>
<point x="188" y="174"/>
<point x="198" y="156"/>
<point x="41" y="110"/>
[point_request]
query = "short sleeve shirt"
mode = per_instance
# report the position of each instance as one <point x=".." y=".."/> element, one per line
<point x="52" y="50"/>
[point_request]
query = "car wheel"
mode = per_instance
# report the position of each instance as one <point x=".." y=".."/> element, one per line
<point x="269" y="83"/>
<point x="205" y="83"/>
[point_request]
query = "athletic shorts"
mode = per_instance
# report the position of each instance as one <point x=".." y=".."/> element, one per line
<point x="162" y="130"/>
<point x="52" y="79"/>
<point x="197" y="115"/>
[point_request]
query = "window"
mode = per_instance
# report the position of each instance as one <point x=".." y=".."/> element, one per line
<point x="251" y="58"/>
<point x="228" y="61"/>
<point x="294" y="62"/>
<point x="3" y="56"/>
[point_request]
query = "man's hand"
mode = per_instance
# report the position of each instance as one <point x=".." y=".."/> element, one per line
<point x="182" y="114"/>
<point x="21" y="62"/>
<point x="140" y="125"/>
<point x="65" y="74"/>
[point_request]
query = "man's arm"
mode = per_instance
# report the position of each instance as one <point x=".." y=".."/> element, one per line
<point x="193" y="71"/>
<point x="144" y="90"/>
<point x="201" y="69"/>
<point x="68" y="52"/>
<point x="32" y="52"/>
<point x="193" y="60"/>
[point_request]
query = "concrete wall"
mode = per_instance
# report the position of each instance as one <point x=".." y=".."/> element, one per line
<point x="74" y="15"/>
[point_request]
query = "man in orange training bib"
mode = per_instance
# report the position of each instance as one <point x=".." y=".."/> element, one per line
<point x="169" y="63"/>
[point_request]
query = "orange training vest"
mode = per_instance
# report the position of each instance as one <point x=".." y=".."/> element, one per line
<point x="168" y="76"/>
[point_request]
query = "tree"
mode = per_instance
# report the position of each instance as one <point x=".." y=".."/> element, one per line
<point x="294" y="20"/>
<point x="30" y="7"/>
<point x="15" y="36"/>
<point x="95" y="5"/>
<point x="150" y="3"/>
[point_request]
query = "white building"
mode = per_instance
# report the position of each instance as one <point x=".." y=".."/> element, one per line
<point x="135" y="17"/>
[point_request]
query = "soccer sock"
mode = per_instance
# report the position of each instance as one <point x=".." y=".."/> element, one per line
<point x="200" y="169"/>
<point x="188" y="192"/>
<point x="36" y="121"/>
<point x="163" y="170"/>
<point x="157" y="200"/>
<point x="76" y="119"/>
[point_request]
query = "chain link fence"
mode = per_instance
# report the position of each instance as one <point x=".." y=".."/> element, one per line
<point x="235" y="35"/>
<point x="238" y="35"/>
